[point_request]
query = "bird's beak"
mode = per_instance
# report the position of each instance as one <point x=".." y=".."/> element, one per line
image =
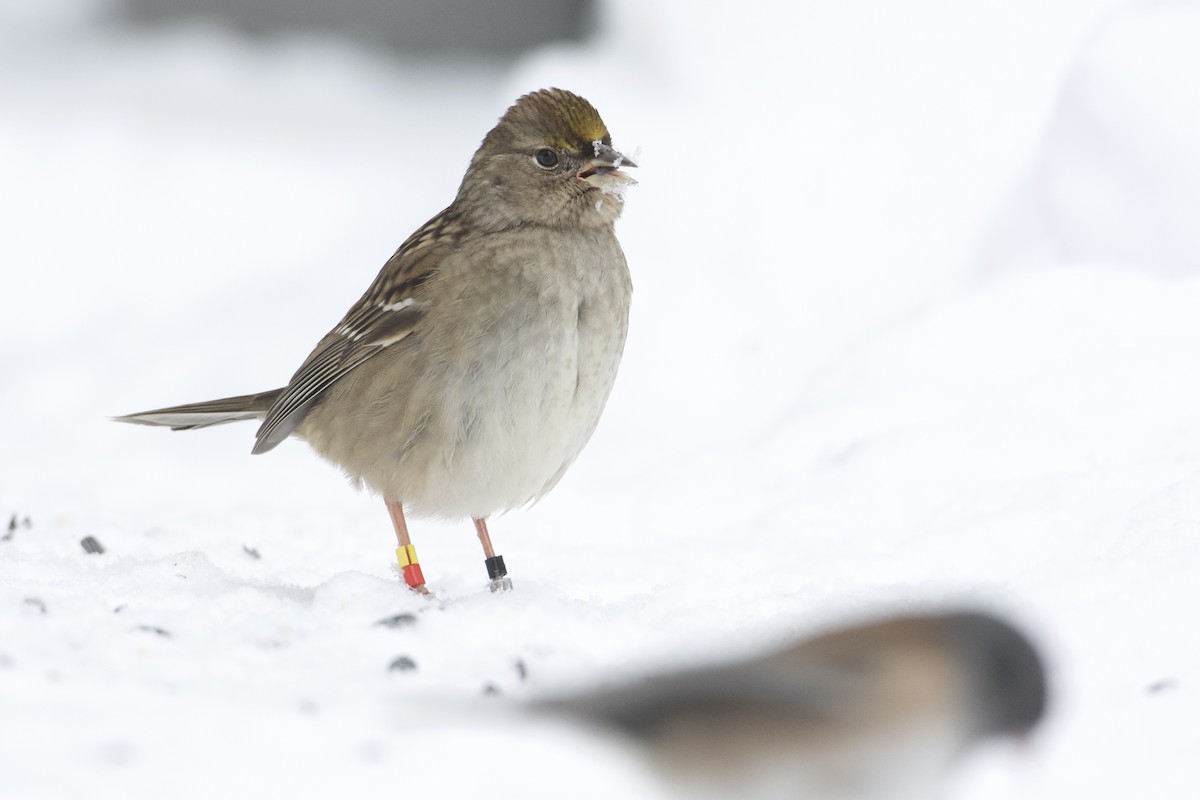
<point x="604" y="170"/>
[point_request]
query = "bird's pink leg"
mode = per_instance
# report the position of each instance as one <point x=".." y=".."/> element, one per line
<point x="406" y="554"/>
<point x="497" y="572"/>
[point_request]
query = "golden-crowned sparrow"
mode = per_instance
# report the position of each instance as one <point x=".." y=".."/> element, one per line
<point x="873" y="710"/>
<point x="475" y="368"/>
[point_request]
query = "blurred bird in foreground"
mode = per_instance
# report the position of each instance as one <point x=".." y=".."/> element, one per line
<point x="476" y="366"/>
<point x="879" y="710"/>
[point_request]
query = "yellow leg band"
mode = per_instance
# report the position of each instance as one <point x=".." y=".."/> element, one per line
<point x="406" y="554"/>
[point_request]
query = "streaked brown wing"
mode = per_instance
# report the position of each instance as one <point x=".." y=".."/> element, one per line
<point x="388" y="312"/>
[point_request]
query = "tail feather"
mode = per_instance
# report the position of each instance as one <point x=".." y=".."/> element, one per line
<point x="202" y="415"/>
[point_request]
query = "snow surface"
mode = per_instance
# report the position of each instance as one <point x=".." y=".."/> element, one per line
<point x="916" y="325"/>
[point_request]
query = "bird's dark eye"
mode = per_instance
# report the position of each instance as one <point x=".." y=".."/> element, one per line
<point x="546" y="157"/>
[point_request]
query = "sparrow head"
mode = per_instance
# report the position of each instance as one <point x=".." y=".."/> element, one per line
<point x="549" y="161"/>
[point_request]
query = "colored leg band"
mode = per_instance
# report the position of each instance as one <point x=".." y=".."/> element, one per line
<point x="406" y="556"/>
<point x="495" y="567"/>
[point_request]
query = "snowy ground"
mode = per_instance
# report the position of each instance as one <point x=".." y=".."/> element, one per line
<point x="917" y="321"/>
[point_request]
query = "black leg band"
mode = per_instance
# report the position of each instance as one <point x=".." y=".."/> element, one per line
<point x="495" y="567"/>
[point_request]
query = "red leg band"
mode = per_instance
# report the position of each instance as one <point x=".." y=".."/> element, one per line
<point x="413" y="576"/>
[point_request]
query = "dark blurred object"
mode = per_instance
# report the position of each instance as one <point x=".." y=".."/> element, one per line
<point x="429" y="27"/>
<point x="91" y="545"/>
<point x="37" y="603"/>
<point x="402" y="664"/>
<point x="157" y="631"/>
<point x="878" y="710"/>
<point x="13" y="524"/>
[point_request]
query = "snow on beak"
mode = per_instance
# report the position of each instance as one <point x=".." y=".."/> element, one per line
<point x="604" y="170"/>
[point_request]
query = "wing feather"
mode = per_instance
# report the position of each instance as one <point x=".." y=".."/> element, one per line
<point x="390" y="310"/>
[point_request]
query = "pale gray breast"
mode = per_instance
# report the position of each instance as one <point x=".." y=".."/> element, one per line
<point x="541" y="326"/>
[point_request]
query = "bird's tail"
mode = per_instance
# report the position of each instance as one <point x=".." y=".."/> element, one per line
<point x="202" y="415"/>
